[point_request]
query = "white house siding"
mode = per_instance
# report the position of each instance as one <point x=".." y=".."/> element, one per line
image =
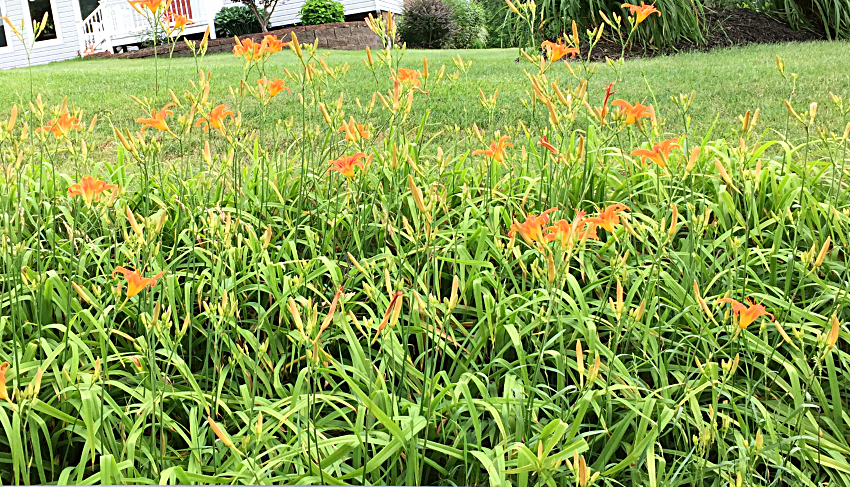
<point x="394" y="6"/>
<point x="287" y="13"/>
<point x="65" y="47"/>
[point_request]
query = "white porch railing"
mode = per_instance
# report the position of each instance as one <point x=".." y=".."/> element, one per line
<point x="115" y="23"/>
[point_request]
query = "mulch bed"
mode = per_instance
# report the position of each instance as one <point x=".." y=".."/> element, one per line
<point x="727" y="28"/>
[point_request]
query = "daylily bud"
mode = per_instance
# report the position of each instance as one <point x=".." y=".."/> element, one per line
<point x="582" y="472"/>
<point x="674" y="222"/>
<point x="823" y="251"/>
<point x="417" y="197"/>
<point x="4" y="393"/>
<point x="580" y="362"/>
<point x="222" y="435"/>
<point x="133" y="223"/>
<point x="454" y="297"/>
<point x="724" y="174"/>
<point x="832" y="337"/>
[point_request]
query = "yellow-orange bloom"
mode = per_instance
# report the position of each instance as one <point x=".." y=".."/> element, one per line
<point x="642" y="12"/>
<point x="62" y="126"/>
<point x="215" y="118"/>
<point x="152" y="5"/>
<point x="659" y="152"/>
<point x="4" y="393"/>
<point x="531" y="230"/>
<point x="556" y="51"/>
<point x="635" y="112"/>
<point x="90" y="189"/>
<point x="609" y="218"/>
<point x="271" y="44"/>
<point x="135" y="281"/>
<point x="274" y="87"/>
<point x="570" y="233"/>
<point x="408" y="77"/>
<point x="546" y="145"/>
<point x="248" y="48"/>
<point x="180" y="22"/>
<point x="496" y="149"/>
<point x="345" y="165"/>
<point x="157" y="119"/>
<point x="746" y="314"/>
<point x="354" y="131"/>
<point x="8" y="21"/>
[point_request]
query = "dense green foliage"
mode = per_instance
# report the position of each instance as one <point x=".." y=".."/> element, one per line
<point x="549" y="19"/>
<point x="410" y="322"/>
<point x="235" y="21"/>
<point x="832" y="17"/>
<point x="315" y="12"/>
<point x="470" y="21"/>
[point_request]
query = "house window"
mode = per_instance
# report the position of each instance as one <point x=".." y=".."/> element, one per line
<point x="5" y="35"/>
<point x="37" y="10"/>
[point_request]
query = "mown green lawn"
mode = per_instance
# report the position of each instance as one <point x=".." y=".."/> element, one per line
<point x="727" y="83"/>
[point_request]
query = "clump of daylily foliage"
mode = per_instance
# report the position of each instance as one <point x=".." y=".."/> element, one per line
<point x="333" y="298"/>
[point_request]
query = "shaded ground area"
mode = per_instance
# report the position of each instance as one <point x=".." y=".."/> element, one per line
<point x="726" y="28"/>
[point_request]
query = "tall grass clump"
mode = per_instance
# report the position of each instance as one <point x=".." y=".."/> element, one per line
<point x="832" y="17"/>
<point x="329" y="297"/>
<point x="525" y="23"/>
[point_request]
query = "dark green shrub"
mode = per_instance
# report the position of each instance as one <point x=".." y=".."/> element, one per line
<point x="427" y="24"/>
<point x="470" y="21"/>
<point x="236" y="21"/>
<point x="315" y="12"/>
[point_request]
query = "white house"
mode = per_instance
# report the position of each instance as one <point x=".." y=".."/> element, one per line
<point x="77" y="26"/>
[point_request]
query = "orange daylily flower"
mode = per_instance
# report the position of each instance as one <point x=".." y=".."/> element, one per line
<point x="272" y="44"/>
<point x="157" y="119"/>
<point x="408" y="77"/>
<point x="90" y="189"/>
<point x="546" y="145"/>
<point x="152" y="5"/>
<point x="642" y="12"/>
<point x="180" y="22"/>
<point x="354" y="131"/>
<point x="746" y="314"/>
<point x="345" y="165"/>
<point x="659" y="152"/>
<point x="531" y="229"/>
<point x="4" y="393"/>
<point x="274" y="87"/>
<point x="634" y="112"/>
<point x="556" y="51"/>
<point x="496" y="149"/>
<point x="248" y="48"/>
<point x="570" y="233"/>
<point x="62" y="126"/>
<point x="609" y="218"/>
<point x="135" y="281"/>
<point x="215" y="118"/>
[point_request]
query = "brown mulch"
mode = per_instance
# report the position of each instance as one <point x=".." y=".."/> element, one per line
<point x="727" y="28"/>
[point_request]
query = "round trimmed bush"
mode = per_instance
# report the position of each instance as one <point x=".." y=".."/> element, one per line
<point x="315" y="12"/>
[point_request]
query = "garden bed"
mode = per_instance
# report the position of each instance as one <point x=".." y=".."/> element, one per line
<point x="727" y="28"/>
